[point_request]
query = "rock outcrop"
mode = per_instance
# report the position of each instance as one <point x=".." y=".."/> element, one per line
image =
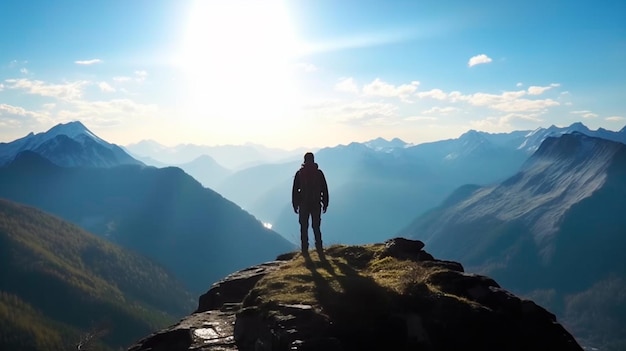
<point x="391" y="296"/>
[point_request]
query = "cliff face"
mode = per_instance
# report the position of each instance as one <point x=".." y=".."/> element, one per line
<point x="391" y="296"/>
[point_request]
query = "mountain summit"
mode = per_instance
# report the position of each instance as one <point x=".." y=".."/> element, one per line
<point x="68" y="145"/>
<point x="389" y="296"/>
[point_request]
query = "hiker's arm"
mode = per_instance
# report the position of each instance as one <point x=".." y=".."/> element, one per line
<point x="295" y="192"/>
<point x="324" y="191"/>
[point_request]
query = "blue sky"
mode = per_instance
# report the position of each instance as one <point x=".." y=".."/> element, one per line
<point x="309" y="73"/>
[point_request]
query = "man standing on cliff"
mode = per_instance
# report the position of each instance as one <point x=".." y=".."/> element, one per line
<point x="309" y="197"/>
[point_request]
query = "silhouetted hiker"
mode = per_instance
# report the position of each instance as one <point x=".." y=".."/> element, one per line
<point x="309" y="197"/>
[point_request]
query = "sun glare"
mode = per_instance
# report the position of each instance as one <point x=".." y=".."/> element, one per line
<point x="238" y="56"/>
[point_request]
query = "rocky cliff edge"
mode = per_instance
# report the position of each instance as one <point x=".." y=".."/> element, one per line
<point x="390" y="296"/>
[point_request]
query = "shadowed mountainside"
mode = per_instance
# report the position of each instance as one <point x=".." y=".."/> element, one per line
<point x="58" y="281"/>
<point x="554" y="231"/>
<point x="162" y="213"/>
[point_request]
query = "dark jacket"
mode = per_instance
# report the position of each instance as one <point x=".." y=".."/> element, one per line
<point x="309" y="187"/>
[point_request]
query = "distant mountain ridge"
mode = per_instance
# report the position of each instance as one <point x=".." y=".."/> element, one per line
<point x="389" y="181"/>
<point x="555" y="229"/>
<point x="68" y="145"/>
<point x="164" y="214"/>
<point x="232" y="157"/>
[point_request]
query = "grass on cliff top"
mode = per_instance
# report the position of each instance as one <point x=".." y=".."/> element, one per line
<point x="347" y="280"/>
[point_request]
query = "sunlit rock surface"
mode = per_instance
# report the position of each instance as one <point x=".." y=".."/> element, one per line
<point x="391" y="296"/>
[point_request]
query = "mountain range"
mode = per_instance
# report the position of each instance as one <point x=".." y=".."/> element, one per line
<point x="232" y="157"/>
<point x="69" y="145"/>
<point x="523" y="207"/>
<point x="162" y="213"/>
<point x="59" y="285"/>
<point x="377" y="187"/>
<point x="554" y="230"/>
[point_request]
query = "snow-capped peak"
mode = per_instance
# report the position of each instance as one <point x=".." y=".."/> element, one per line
<point x="381" y="144"/>
<point x="72" y="130"/>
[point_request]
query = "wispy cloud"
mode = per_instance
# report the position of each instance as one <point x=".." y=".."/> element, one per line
<point x="537" y="90"/>
<point x="16" y="116"/>
<point x="505" y="122"/>
<point x="347" y="85"/>
<point x="384" y="89"/>
<point x="615" y="119"/>
<point x="420" y="118"/>
<point x="88" y="110"/>
<point x="88" y="62"/>
<point x="441" y="110"/>
<point x="355" y="112"/>
<point x="508" y="101"/>
<point x="106" y="87"/>
<point x="140" y="76"/>
<point x="437" y="94"/>
<point x="67" y="91"/>
<point x="478" y="60"/>
<point x="585" y="114"/>
<point x="6" y="109"/>
<point x="122" y="79"/>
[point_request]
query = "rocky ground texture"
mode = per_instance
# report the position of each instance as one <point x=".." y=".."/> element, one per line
<point x="389" y="296"/>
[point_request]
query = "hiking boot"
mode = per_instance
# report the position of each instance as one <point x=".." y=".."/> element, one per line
<point x="319" y="247"/>
<point x="305" y="248"/>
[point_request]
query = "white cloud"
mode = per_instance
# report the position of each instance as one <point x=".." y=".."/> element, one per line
<point x="506" y="122"/>
<point x="13" y="110"/>
<point x="360" y="112"/>
<point x="456" y="96"/>
<point x="355" y="112"/>
<point x="140" y="76"/>
<point x="478" y="60"/>
<point x="384" y="89"/>
<point x="420" y="118"/>
<point x="122" y="79"/>
<point x="487" y="99"/>
<point x="15" y="116"/>
<point x="1" y="87"/>
<point x="106" y="112"/>
<point x="615" y="119"/>
<point x="106" y="87"/>
<point x="88" y="62"/>
<point x="24" y="71"/>
<point x="537" y="90"/>
<point x="585" y="114"/>
<point x="347" y="85"/>
<point x="508" y="101"/>
<point x="437" y="94"/>
<point x="441" y="110"/>
<point x="67" y="91"/>
<point x="525" y="105"/>
<point x="519" y="84"/>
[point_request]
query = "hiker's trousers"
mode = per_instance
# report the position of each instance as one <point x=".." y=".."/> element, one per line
<point x="315" y="212"/>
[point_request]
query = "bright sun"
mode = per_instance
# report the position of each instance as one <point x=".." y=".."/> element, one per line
<point x="238" y="56"/>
